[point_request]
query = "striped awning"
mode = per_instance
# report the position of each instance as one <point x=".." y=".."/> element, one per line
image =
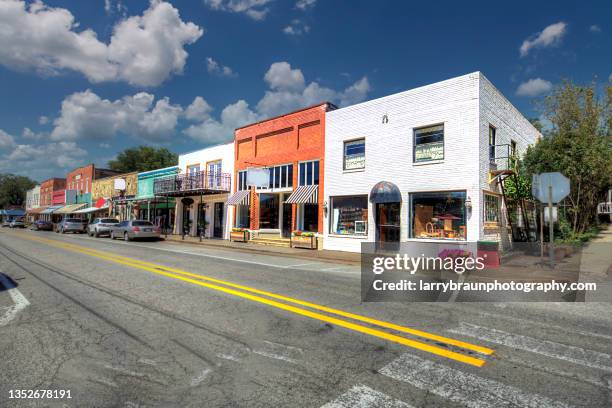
<point x="304" y="195"/>
<point x="51" y="209"/>
<point x="70" y="208"/>
<point x="239" y="198"/>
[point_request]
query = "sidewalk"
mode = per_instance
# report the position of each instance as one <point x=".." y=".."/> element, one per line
<point x="596" y="266"/>
<point x="321" y="255"/>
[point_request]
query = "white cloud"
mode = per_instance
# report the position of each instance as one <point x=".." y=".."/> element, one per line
<point x="86" y="115"/>
<point x="289" y="91"/>
<point x="280" y="76"/>
<point x="217" y="131"/>
<point x="199" y="110"/>
<point x="105" y="145"/>
<point x="215" y="68"/>
<point x="296" y="27"/>
<point x="255" y="9"/>
<point x="595" y="28"/>
<point x="143" y="50"/>
<point x="305" y="4"/>
<point x="534" y="87"/>
<point x="43" y="120"/>
<point x="29" y="134"/>
<point x="107" y="6"/>
<point x="6" y="141"/>
<point x="550" y="36"/>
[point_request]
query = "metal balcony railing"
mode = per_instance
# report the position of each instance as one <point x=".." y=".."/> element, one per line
<point x="501" y="157"/>
<point x="197" y="183"/>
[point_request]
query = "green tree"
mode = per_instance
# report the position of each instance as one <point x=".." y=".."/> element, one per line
<point x="579" y="145"/>
<point x="143" y="158"/>
<point x="13" y="190"/>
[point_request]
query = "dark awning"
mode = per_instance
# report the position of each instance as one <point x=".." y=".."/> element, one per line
<point x="385" y="192"/>
<point x="239" y="198"/>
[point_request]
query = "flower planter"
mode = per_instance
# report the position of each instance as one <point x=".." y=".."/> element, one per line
<point x="239" y="236"/>
<point x="301" y="241"/>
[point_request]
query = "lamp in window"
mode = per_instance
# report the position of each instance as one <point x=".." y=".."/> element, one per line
<point x="468" y="203"/>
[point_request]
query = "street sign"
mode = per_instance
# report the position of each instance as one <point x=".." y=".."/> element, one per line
<point x="258" y="177"/>
<point x="540" y="187"/>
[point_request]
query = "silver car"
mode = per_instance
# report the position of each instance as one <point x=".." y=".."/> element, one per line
<point x="71" y="225"/>
<point x="101" y="226"/>
<point x="129" y="230"/>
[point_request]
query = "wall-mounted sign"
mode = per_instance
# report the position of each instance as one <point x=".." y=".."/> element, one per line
<point x="429" y="151"/>
<point x="354" y="162"/>
<point x="258" y="177"/>
<point x="119" y="184"/>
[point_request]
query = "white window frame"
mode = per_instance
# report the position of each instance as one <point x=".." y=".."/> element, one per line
<point x="278" y="189"/>
<point x="344" y="155"/>
<point x="312" y="172"/>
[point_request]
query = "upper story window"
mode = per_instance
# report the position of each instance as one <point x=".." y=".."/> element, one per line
<point x="193" y="169"/>
<point x="492" y="136"/>
<point x="354" y="154"/>
<point x="309" y="173"/>
<point x="242" y="180"/>
<point x="280" y="177"/>
<point x="214" y="167"/>
<point x="429" y="143"/>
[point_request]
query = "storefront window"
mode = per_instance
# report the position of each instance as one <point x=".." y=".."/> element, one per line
<point x="438" y="215"/>
<point x="429" y="143"/>
<point x="310" y="220"/>
<point x="243" y="216"/>
<point x="349" y="215"/>
<point x="309" y="173"/>
<point x="268" y="211"/>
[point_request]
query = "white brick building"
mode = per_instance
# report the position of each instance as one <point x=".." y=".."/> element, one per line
<point x="201" y="190"/>
<point x="432" y="143"/>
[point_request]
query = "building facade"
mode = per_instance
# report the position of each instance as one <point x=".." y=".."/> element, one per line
<point x="48" y="187"/>
<point x="418" y="165"/>
<point x="290" y="148"/>
<point x="159" y="210"/>
<point x="80" y="180"/>
<point x="32" y="206"/>
<point x="120" y="190"/>
<point x="201" y="189"/>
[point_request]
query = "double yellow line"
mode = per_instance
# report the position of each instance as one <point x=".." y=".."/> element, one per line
<point x="272" y="299"/>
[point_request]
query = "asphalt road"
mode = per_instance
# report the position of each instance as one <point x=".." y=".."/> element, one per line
<point x="164" y="324"/>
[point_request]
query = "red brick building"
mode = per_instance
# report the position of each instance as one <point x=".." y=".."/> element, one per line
<point x="291" y="148"/>
<point x="80" y="180"/>
<point x="48" y="187"/>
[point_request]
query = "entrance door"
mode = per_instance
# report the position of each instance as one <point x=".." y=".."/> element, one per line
<point x="202" y="220"/>
<point x="268" y="211"/>
<point x="287" y="218"/>
<point x="388" y="222"/>
<point x="186" y="219"/>
<point x="218" y="221"/>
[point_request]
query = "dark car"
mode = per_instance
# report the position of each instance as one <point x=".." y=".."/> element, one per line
<point x="135" y="229"/>
<point x="101" y="226"/>
<point x="73" y="225"/>
<point x="42" y="225"/>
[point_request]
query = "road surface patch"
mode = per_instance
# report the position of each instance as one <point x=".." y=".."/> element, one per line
<point x="461" y="387"/>
<point x="252" y="294"/>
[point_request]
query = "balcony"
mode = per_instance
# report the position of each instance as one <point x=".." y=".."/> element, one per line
<point x="197" y="183"/>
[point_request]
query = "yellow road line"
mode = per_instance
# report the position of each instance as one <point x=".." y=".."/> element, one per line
<point x="365" y="319"/>
<point x="328" y="319"/>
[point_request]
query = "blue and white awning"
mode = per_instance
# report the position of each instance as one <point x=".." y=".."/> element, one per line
<point x="239" y="198"/>
<point x="304" y="195"/>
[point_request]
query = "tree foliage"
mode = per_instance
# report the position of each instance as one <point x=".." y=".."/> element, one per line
<point x="579" y="145"/>
<point x="13" y="190"/>
<point x="143" y="158"/>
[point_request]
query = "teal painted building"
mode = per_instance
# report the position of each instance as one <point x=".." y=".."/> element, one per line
<point x="158" y="210"/>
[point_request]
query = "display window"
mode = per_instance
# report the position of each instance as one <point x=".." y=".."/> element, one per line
<point x="349" y="215"/>
<point x="438" y="215"/>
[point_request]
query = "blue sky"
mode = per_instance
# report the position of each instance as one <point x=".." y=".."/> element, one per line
<point x="80" y="81"/>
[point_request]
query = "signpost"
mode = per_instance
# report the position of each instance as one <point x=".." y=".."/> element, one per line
<point x="550" y="188"/>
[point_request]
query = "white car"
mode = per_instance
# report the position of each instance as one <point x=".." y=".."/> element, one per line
<point x="101" y="226"/>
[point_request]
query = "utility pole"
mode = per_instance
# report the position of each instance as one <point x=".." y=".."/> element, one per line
<point x="551" y="228"/>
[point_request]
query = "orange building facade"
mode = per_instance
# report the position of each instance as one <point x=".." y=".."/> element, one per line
<point x="48" y="187"/>
<point x="290" y="148"/>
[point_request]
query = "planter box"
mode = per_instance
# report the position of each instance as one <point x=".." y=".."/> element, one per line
<point x="304" y="242"/>
<point x="239" y="236"/>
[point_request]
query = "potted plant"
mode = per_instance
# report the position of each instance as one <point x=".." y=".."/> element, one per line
<point x="239" y="234"/>
<point x="303" y="239"/>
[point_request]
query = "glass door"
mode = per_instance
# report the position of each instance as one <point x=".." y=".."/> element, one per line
<point x="388" y="222"/>
<point x="287" y="218"/>
<point x="202" y="220"/>
<point x="268" y="211"/>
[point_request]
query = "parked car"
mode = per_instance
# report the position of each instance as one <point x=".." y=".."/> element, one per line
<point x="6" y="223"/>
<point x="101" y="226"/>
<point x="17" y="224"/>
<point x="135" y="229"/>
<point x="42" y="225"/>
<point x="71" y="225"/>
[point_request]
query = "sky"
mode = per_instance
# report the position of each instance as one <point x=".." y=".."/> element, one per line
<point x="82" y="80"/>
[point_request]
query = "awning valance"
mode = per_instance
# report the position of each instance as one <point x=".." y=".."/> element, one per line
<point x="239" y="198"/>
<point x="36" y="210"/>
<point x="70" y="208"/>
<point x="304" y="195"/>
<point x="89" y="210"/>
<point x="385" y="192"/>
<point x="51" y="209"/>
